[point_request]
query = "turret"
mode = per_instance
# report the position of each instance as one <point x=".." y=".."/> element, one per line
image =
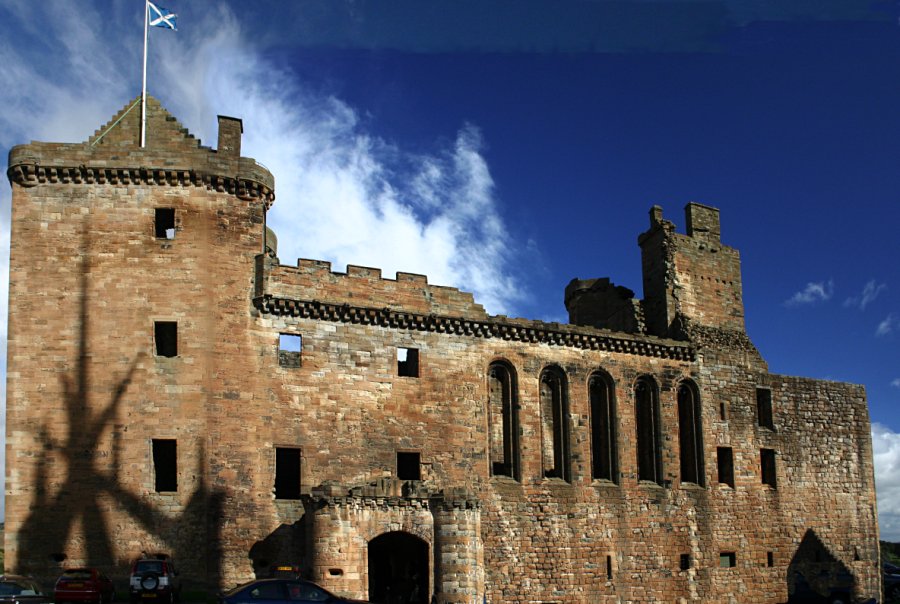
<point x="690" y="280"/>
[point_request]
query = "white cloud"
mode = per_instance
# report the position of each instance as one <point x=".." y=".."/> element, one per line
<point x="895" y="383"/>
<point x="342" y="194"/>
<point x="869" y="293"/>
<point x="888" y="325"/>
<point x="886" y="449"/>
<point x="813" y="292"/>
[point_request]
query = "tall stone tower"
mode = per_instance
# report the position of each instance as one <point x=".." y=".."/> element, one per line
<point x="121" y="260"/>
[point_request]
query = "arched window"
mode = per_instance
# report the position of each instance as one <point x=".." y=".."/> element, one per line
<point x="554" y="424"/>
<point x="690" y="433"/>
<point x="604" y="461"/>
<point x="503" y="421"/>
<point x="646" y="410"/>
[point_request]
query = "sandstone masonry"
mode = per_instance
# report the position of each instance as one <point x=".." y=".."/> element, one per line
<point x="172" y="387"/>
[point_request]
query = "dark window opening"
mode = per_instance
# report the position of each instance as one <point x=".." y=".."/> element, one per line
<point x="165" y="465"/>
<point x="554" y="425"/>
<point x="685" y="562"/>
<point x="165" y="223"/>
<point x="287" y="473"/>
<point x="604" y="460"/>
<point x="408" y="466"/>
<point x="408" y="362"/>
<point x="725" y="458"/>
<point x="764" y="408"/>
<point x="646" y="400"/>
<point x="58" y="557"/>
<point x="690" y="433"/>
<point x="770" y="559"/>
<point x="727" y="560"/>
<point x="166" y="336"/>
<point x="503" y="418"/>
<point x="767" y="466"/>
<point x="723" y="413"/>
<point x="290" y="346"/>
<point x="609" y="574"/>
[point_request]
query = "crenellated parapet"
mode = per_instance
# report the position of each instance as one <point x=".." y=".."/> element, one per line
<point x="312" y="291"/>
<point x="171" y="158"/>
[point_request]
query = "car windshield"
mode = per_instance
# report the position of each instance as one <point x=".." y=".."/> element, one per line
<point x="149" y="566"/>
<point x="12" y="588"/>
<point x="77" y="574"/>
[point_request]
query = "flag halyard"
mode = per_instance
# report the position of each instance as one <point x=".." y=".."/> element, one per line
<point x="161" y="17"/>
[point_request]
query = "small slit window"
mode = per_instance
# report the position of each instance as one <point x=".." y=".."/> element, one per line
<point x="767" y="467"/>
<point x="408" y="362"/>
<point x="165" y="465"/>
<point x="764" y="408"/>
<point x="408" y="466"/>
<point x="770" y="559"/>
<point x="609" y="568"/>
<point x="287" y="473"/>
<point x="685" y="562"/>
<point x="727" y="560"/>
<point x="165" y="223"/>
<point x="290" y="347"/>
<point x="165" y="334"/>
<point x="725" y="458"/>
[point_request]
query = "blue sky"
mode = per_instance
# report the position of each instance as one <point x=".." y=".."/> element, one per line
<point x="507" y="147"/>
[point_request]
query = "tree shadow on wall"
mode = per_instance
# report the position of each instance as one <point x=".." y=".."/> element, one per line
<point x="284" y="547"/>
<point x="815" y="575"/>
<point x="88" y="492"/>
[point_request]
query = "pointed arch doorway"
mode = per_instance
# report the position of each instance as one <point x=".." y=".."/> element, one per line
<point x="398" y="569"/>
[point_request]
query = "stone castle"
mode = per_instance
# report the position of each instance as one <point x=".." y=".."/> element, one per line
<point x="172" y="387"/>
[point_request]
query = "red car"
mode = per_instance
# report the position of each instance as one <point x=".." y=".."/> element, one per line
<point x="84" y="585"/>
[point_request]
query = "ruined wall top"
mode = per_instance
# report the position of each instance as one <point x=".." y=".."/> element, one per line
<point x="113" y="154"/>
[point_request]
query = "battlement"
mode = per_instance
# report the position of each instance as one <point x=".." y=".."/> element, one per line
<point x="172" y="156"/>
<point x="365" y="286"/>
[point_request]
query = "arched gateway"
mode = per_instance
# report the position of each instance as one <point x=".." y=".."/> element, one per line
<point x="398" y="569"/>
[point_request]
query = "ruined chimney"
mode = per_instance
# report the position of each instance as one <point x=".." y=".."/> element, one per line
<point x="702" y="222"/>
<point x="230" y="131"/>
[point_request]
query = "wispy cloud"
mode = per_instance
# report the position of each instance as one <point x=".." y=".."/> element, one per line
<point x="888" y="325"/>
<point x="345" y="195"/>
<point x="869" y="293"/>
<point x="812" y="293"/>
<point x="895" y="382"/>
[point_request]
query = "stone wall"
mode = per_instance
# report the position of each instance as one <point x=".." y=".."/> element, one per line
<point x="88" y="393"/>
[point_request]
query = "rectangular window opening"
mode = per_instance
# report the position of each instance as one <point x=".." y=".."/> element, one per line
<point x="770" y="559"/>
<point x="725" y="458"/>
<point x="609" y="569"/>
<point x="723" y="412"/>
<point x="764" y="408"/>
<point x="727" y="560"/>
<point x="165" y="465"/>
<point x="767" y="467"/>
<point x="685" y="562"/>
<point x="290" y="347"/>
<point x="408" y="466"/>
<point x="165" y="223"/>
<point x="408" y="362"/>
<point x="165" y="334"/>
<point x="287" y="473"/>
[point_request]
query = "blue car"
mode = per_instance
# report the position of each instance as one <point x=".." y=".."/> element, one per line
<point x="282" y="591"/>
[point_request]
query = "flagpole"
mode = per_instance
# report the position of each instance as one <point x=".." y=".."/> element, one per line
<point x="144" y="84"/>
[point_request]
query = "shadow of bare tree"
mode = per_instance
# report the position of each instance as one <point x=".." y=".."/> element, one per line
<point x="91" y="489"/>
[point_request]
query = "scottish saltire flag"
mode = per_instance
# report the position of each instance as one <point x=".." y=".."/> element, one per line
<point x="161" y="17"/>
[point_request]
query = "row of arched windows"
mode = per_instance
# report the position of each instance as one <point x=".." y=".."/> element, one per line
<point x="503" y="422"/>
